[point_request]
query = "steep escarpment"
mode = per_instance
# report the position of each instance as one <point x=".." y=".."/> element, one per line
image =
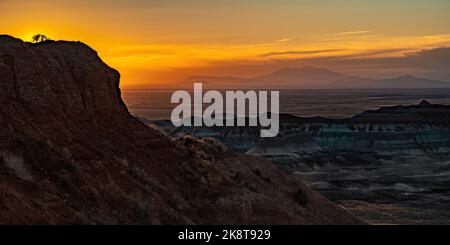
<point x="71" y="153"/>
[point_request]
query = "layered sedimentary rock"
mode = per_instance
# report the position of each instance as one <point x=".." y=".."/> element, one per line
<point x="71" y="153"/>
<point x="389" y="165"/>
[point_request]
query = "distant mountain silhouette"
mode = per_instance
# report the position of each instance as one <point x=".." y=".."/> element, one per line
<point x="316" y="78"/>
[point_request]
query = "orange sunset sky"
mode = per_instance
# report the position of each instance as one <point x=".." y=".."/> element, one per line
<point x="153" y="42"/>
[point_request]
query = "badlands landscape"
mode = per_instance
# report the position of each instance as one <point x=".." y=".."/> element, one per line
<point x="387" y="166"/>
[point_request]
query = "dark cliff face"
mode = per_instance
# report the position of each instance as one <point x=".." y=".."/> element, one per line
<point x="61" y="78"/>
<point x="71" y="153"/>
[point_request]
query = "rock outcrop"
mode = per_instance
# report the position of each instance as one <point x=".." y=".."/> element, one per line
<point x="71" y="153"/>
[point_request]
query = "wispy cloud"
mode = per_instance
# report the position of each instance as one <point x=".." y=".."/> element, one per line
<point x="350" y="37"/>
<point x="280" y="42"/>
<point x="352" y="33"/>
<point x="283" y="40"/>
<point x="293" y="52"/>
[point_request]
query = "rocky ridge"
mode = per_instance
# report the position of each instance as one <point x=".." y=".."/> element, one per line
<point x="71" y="153"/>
